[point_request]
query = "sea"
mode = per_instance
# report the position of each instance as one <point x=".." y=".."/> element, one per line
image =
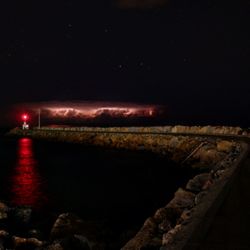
<point x="117" y="189"/>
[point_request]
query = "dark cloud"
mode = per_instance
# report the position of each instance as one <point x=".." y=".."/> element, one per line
<point x="141" y="4"/>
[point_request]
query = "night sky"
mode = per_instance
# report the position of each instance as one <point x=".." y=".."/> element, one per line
<point x="190" y="56"/>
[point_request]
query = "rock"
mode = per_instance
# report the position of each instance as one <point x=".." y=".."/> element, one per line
<point x="207" y="185"/>
<point x="34" y="233"/>
<point x="4" y="234"/>
<point x="186" y="214"/>
<point x="208" y="155"/>
<point x="182" y="199"/>
<point x="76" y="242"/>
<point x="144" y="238"/>
<point x="82" y="241"/>
<point x="185" y="217"/>
<point x="3" y="207"/>
<point x="22" y="215"/>
<point x="174" y="142"/>
<point x="198" y="182"/>
<point x="168" y="238"/>
<point x="53" y="246"/>
<point x="155" y="244"/>
<point x="168" y="213"/>
<point x="26" y="242"/>
<point x="225" y="146"/>
<point x="199" y="197"/>
<point x="3" y="215"/>
<point x="160" y="214"/>
<point x="3" y="211"/>
<point x="165" y="226"/>
<point x="5" y="239"/>
<point x="149" y="223"/>
<point x="219" y="173"/>
<point x="67" y="224"/>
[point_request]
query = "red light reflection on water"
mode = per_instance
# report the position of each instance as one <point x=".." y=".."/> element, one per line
<point x="26" y="181"/>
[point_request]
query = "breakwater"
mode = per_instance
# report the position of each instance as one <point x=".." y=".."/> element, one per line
<point x="208" y="130"/>
<point x="195" y="150"/>
<point x="216" y="158"/>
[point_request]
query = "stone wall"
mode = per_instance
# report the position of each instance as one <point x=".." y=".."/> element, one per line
<point x="225" y="130"/>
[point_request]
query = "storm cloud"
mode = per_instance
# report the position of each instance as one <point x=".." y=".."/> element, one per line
<point x="92" y="110"/>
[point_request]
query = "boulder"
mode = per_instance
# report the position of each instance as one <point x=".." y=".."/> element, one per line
<point x="160" y="214"/>
<point x="3" y="211"/>
<point x="5" y="240"/>
<point x="4" y="234"/>
<point x="66" y="225"/>
<point x="21" y="215"/>
<point x="53" y="246"/>
<point x="182" y="199"/>
<point x="3" y="207"/>
<point x="81" y="242"/>
<point x="171" y="214"/>
<point x="199" y="197"/>
<point x="199" y="182"/>
<point x="19" y="242"/>
<point x="168" y="238"/>
<point x="225" y="146"/>
<point x="76" y="242"/>
<point x="34" y="233"/>
<point x="144" y="238"/>
<point x="185" y="217"/>
<point x="208" y="156"/>
<point x="164" y="226"/>
<point x="155" y="244"/>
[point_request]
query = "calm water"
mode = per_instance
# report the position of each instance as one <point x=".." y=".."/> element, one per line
<point x="120" y="187"/>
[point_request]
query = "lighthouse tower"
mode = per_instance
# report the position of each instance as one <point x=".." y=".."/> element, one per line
<point x="25" y="124"/>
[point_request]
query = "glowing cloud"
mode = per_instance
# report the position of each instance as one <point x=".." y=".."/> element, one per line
<point x="93" y="110"/>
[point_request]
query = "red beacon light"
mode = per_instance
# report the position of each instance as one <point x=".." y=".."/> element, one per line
<point x="25" y="125"/>
<point x="25" y="117"/>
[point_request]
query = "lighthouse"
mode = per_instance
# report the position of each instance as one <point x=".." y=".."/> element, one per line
<point x="25" y="124"/>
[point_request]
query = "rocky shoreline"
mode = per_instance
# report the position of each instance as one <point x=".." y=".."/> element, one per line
<point x="19" y="230"/>
<point x="160" y="230"/>
<point x="216" y="159"/>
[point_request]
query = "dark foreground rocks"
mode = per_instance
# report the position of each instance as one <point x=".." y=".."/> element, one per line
<point x="160" y="230"/>
<point x="68" y="232"/>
